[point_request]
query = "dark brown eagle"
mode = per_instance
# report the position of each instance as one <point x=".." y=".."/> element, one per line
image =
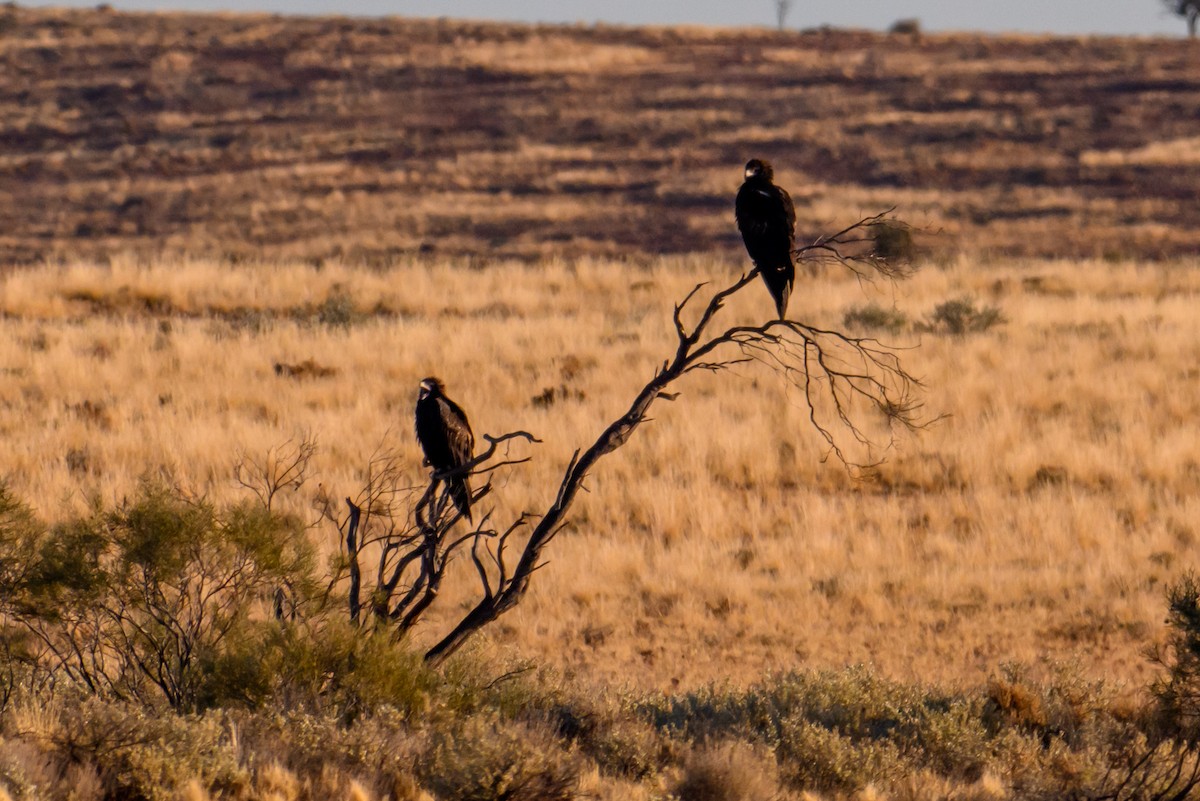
<point x="767" y="220"/>
<point x="446" y="438"/>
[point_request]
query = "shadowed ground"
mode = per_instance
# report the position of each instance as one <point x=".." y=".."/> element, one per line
<point x="362" y="140"/>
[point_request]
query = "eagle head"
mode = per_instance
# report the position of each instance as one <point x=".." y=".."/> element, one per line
<point x="757" y="168"/>
<point x="430" y="386"/>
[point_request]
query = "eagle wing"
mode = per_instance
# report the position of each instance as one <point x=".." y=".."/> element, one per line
<point x="459" y="438"/>
<point x="767" y="219"/>
<point x="789" y="213"/>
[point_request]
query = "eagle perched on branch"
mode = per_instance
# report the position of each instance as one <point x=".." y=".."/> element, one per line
<point x="446" y="438"/>
<point x="767" y="220"/>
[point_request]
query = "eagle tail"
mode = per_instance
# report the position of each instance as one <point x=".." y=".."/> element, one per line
<point x="781" y="299"/>
<point x="779" y="283"/>
<point x="460" y="493"/>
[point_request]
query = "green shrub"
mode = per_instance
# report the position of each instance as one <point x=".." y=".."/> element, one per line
<point x="893" y="241"/>
<point x="627" y="748"/>
<point x="151" y="755"/>
<point x="337" y="310"/>
<point x="854" y="702"/>
<point x="960" y="316"/>
<point x="20" y="533"/>
<point x="610" y="730"/>
<point x="475" y="679"/>
<point x="812" y="757"/>
<point x="836" y="731"/>
<point x="327" y="667"/>
<point x="728" y="772"/>
<point x="133" y="602"/>
<point x="874" y="317"/>
<point x="1177" y="691"/>
<point x="953" y="741"/>
<point x="379" y="750"/>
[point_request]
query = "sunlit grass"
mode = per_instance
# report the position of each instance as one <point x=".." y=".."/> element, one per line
<point x="1036" y="519"/>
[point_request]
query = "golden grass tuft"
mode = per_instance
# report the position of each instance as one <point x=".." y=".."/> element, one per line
<point x="729" y="772"/>
<point x="194" y="791"/>
<point x="276" y="783"/>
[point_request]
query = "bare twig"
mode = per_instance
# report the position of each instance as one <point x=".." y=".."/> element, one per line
<point x="282" y="467"/>
<point x="876" y="245"/>
<point x="509" y="676"/>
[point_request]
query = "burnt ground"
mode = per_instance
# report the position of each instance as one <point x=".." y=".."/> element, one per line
<point x="370" y="139"/>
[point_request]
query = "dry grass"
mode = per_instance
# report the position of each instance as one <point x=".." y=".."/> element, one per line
<point x="1036" y="522"/>
<point x="384" y="199"/>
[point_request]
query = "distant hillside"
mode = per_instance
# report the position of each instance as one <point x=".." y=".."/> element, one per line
<point x="367" y="139"/>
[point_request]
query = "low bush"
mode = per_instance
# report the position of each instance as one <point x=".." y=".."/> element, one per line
<point x="893" y="241"/>
<point x="379" y="752"/>
<point x="729" y="771"/>
<point x="64" y="745"/>
<point x="327" y="667"/>
<point x="1177" y="691"/>
<point x="812" y="757"/>
<point x="874" y="317"/>
<point x="338" y="309"/>
<point x="961" y="316"/>
<point x="485" y="758"/>
<point x="134" y="602"/>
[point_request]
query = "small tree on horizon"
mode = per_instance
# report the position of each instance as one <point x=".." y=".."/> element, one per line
<point x="1188" y="9"/>
<point x="782" y="7"/>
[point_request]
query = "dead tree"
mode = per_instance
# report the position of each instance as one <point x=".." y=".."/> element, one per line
<point x="409" y="535"/>
<point x="840" y="378"/>
<point x="1188" y="9"/>
<point x="397" y="540"/>
<point x="282" y="467"/>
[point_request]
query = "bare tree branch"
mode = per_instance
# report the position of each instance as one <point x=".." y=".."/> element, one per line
<point x="782" y="7"/>
<point x="1188" y="9"/>
<point x="838" y="376"/>
<point x="411" y="533"/>
<point x="352" y="550"/>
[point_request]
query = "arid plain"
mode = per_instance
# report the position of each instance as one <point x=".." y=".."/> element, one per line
<point x="1036" y="521"/>
<point x="246" y="230"/>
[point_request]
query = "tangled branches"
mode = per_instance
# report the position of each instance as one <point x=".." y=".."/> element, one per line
<point x="411" y="542"/>
<point x="398" y="541"/>
<point x="837" y="373"/>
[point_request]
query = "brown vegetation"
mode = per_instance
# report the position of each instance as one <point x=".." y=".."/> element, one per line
<point x="366" y="140"/>
<point x="245" y="239"/>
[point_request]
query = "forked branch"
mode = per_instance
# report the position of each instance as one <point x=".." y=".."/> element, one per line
<point x="836" y="374"/>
